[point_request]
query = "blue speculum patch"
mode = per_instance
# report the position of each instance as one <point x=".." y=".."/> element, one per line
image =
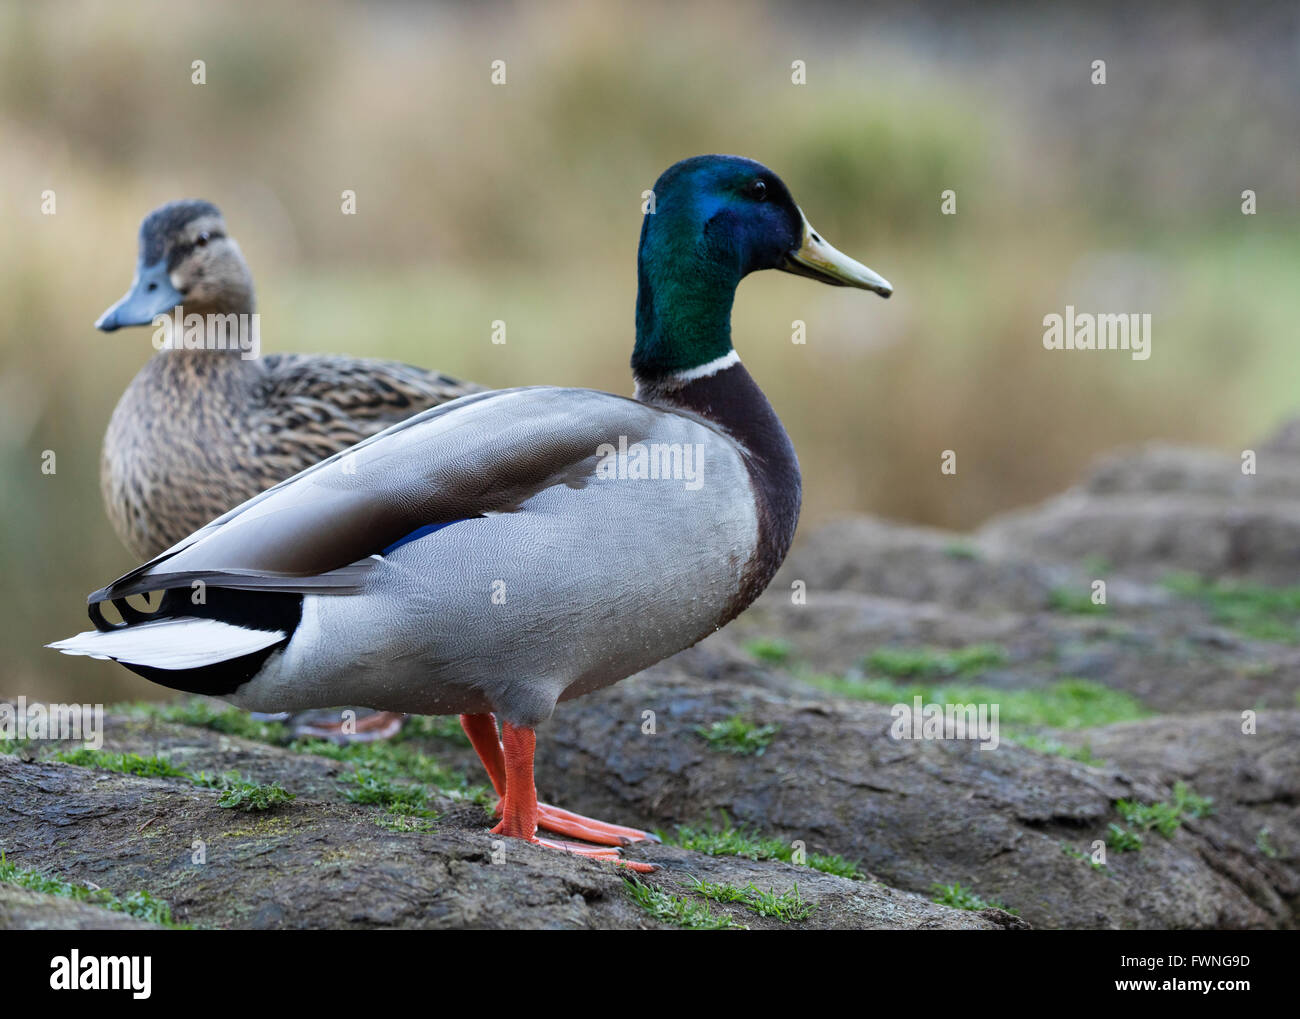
<point x="415" y="535"/>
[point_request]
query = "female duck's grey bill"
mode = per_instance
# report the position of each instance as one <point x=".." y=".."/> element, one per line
<point x="818" y="260"/>
<point x="151" y="294"/>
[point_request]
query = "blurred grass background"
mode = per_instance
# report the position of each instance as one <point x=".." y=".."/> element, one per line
<point x="521" y="202"/>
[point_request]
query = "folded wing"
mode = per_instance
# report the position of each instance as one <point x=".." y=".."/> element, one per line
<point x="317" y="531"/>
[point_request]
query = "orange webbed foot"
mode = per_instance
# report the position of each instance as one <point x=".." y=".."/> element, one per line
<point x="510" y="766"/>
<point x="603" y="833"/>
<point x="602" y="853"/>
<point x="606" y="854"/>
<point x="566" y="822"/>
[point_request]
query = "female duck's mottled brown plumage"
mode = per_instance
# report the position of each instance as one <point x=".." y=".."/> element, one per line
<point x="199" y="431"/>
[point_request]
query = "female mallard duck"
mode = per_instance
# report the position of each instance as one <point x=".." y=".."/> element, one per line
<point x="200" y="431"/>
<point x="513" y="549"/>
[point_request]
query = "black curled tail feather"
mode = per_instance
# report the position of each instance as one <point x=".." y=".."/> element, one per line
<point x="129" y="613"/>
<point x="257" y="610"/>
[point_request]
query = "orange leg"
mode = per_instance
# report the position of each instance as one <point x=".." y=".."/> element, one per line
<point x="519" y="815"/>
<point x="482" y="733"/>
<point x="509" y="764"/>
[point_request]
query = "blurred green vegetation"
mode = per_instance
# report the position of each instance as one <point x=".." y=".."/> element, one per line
<point x="521" y="202"/>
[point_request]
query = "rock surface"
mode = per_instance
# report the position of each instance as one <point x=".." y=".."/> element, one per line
<point x="21" y="909"/>
<point x="1213" y="681"/>
<point x="325" y="863"/>
<point x="1168" y="507"/>
<point x="1009" y="823"/>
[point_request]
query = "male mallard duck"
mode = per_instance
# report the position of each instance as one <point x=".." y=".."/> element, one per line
<point x="512" y="549"/>
<point x="200" y="431"/>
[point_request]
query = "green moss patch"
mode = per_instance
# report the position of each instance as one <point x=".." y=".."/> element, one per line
<point x="1166" y="817"/>
<point x="445" y="728"/>
<point x="236" y="791"/>
<point x="239" y="793"/>
<point x="1266" y="613"/>
<point x="139" y="904"/>
<point x="405" y="823"/>
<point x="787" y="906"/>
<point x="916" y="663"/>
<point x="1065" y="704"/>
<point x="770" y="649"/>
<point x="1055" y="748"/>
<point x="679" y="910"/>
<point x="204" y="714"/>
<point x="1079" y="603"/>
<point x="396" y="776"/>
<point x="727" y="840"/>
<point x="737" y="735"/>
<point x="1122" y="840"/>
<point x="124" y="764"/>
<point x="957" y="897"/>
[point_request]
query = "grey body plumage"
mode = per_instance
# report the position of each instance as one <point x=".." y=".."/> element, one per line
<point x="517" y="608"/>
<point x="454" y="621"/>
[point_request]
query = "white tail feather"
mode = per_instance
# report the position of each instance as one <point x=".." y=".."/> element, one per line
<point x="183" y="643"/>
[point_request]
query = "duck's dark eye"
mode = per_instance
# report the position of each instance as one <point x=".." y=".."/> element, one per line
<point x="202" y="240"/>
<point x="757" y="190"/>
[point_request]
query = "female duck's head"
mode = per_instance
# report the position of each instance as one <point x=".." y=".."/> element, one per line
<point x="714" y="220"/>
<point x="188" y="259"/>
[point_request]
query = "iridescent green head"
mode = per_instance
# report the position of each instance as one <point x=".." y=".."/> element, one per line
<point x="716" y="219"/>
